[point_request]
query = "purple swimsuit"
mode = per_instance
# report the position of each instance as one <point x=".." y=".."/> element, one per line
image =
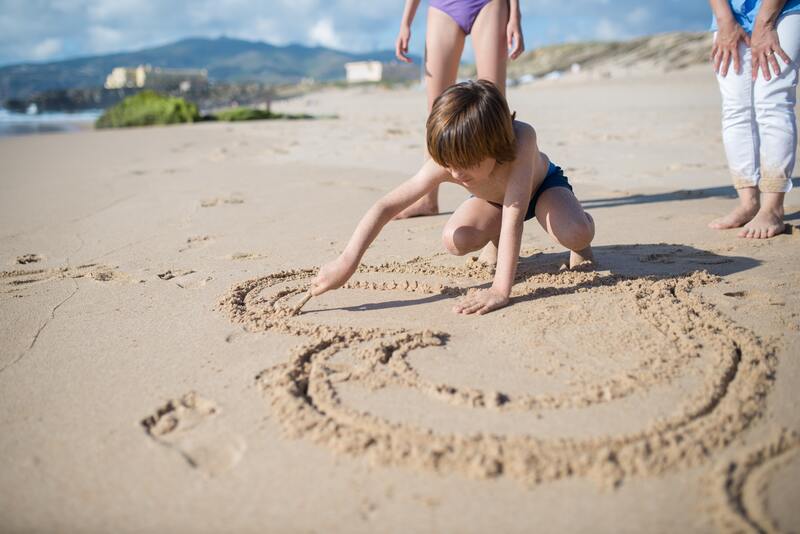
<point x="463" y="12"/>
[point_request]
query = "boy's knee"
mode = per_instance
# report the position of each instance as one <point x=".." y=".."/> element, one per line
<point x="580" y="233"/>
<point x="453" y="243"/>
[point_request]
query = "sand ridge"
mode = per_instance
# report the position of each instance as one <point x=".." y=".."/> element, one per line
<point x="304" y="397"/>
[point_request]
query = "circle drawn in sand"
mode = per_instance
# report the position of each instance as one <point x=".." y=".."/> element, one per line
<point x="303" y="391"/>
<point x="740" y="485"/>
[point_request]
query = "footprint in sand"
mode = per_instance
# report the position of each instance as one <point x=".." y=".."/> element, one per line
<point x="195" y="242"/>
<point x="188" y="426"/>
<point x="170" y="274"/>
<point x="741" y="487"/>
<point x="237" y="256"/>
<point x="216" y="201"/>
<point x="219" y="154"/>
<point x="720" y="373"/>
<point x="28" y="258"/>
<point x="17" y="279"/>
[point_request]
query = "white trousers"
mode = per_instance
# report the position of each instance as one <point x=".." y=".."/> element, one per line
<point x="758" y="120"/>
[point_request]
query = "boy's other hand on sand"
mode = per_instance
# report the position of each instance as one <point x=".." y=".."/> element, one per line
<point x="332" y="275"/>
<point x="481" y="301"/>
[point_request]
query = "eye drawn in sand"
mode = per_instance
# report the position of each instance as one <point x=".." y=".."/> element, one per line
<point x="28" y="258"/>
<point x="187" y="425"/>
<point x="197" y="241"/>
<point x="216" y="201"/>
<point x="684" y="332"/>
<point x="16" y="279"/>
<point x="740" y="486"/>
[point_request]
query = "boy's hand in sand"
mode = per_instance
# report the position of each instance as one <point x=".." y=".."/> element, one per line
<point x="481" y="301"/>
<point x="332" y="275"/>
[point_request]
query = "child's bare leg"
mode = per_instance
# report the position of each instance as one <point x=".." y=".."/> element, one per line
<point x="768" y="222"/>
<point x="561" y="215"/>
<point x="474" y="224"/>
<point x="491" y="56"/>
<point x="444" y="42"/>
<point x="741" y="214"/>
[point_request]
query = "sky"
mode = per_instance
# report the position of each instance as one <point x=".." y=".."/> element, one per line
<point x="48" y="30"/>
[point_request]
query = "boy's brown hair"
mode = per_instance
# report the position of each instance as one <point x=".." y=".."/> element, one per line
<point x="469" y="122"/>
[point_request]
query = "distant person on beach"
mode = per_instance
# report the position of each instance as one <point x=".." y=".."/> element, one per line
<point x="474" y="142"/>
<point x="496" y="36"/>
<point x="756" y="54"/>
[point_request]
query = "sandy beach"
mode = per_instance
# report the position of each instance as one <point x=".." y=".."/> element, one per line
<point x="154" y="379"/>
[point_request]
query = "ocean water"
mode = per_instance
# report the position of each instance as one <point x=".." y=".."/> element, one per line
<point x="24" y="124"/>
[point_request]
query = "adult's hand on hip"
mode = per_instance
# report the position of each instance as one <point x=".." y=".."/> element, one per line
<point x="726" y="47"/>
<point x="764" y="46"/>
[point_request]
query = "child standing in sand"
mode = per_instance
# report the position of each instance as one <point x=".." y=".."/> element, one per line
<point x="475" y="142"/>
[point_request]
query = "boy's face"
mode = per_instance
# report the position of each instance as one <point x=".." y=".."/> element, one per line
<point x="477" y="173"/>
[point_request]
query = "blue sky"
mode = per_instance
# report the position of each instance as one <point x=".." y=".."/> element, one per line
<point x="43" y="30"/>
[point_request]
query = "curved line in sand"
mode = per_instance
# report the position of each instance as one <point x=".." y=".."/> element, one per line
<point x="740" y="485"/>
<point x="307" y="404"/>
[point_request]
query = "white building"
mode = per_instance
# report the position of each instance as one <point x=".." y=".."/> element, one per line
<point x="156" y="78"/>
<point x="375" y="71"/>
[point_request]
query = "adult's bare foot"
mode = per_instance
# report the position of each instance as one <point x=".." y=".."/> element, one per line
<point x="767" y="223"/>
<point x="738" y="217"/>
<point x="741" y="214"/>
<point x="581" y="257"/>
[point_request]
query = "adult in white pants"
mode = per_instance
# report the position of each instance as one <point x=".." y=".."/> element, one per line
<point x="756" y="55"/>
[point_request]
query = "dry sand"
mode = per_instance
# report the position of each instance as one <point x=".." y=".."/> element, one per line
<point x="154" y="376"/>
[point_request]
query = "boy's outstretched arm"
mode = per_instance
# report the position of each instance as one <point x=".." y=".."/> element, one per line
<point x="515" y="204"/>
<point x="335" y="274"/>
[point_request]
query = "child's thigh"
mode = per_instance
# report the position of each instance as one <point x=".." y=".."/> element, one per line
<point x="478" y="214"/>
<point x="558" y="211"/>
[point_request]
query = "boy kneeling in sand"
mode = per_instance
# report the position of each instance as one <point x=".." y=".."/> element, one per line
<point x="475" y="142"/>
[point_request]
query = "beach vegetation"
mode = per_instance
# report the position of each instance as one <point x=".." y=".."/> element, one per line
<point x="146" y="109"/>
<point x="253" y="114"/>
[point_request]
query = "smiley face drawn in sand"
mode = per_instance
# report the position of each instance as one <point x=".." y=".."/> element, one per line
<point x="710" y="375"/>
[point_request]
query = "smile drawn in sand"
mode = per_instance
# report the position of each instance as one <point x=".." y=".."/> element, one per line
<point x="306" y="402"/>
<point x="740" y="486"/>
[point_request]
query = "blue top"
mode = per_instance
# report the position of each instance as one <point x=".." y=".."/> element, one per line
<point x="745" y="11"/>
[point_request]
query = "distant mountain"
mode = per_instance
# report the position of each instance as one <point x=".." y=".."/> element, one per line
<point x="226" y="59"/>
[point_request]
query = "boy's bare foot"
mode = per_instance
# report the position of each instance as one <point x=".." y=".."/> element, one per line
<point x="741" y="214"/>
<point x="767" y="223"/>
<point x="427" y="205"/>
<point x="580" y="257"/>
<point x="488" y="255"/>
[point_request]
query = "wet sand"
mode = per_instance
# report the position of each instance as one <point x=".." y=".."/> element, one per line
<point x="154" y="375"/>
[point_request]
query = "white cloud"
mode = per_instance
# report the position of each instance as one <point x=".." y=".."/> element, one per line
<point x="99" y="26"/>
<point x="322" y="33"/>
<point x="607" y="30"/>
<point x="46" y="49"/>
<point x="104" y="39"/>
